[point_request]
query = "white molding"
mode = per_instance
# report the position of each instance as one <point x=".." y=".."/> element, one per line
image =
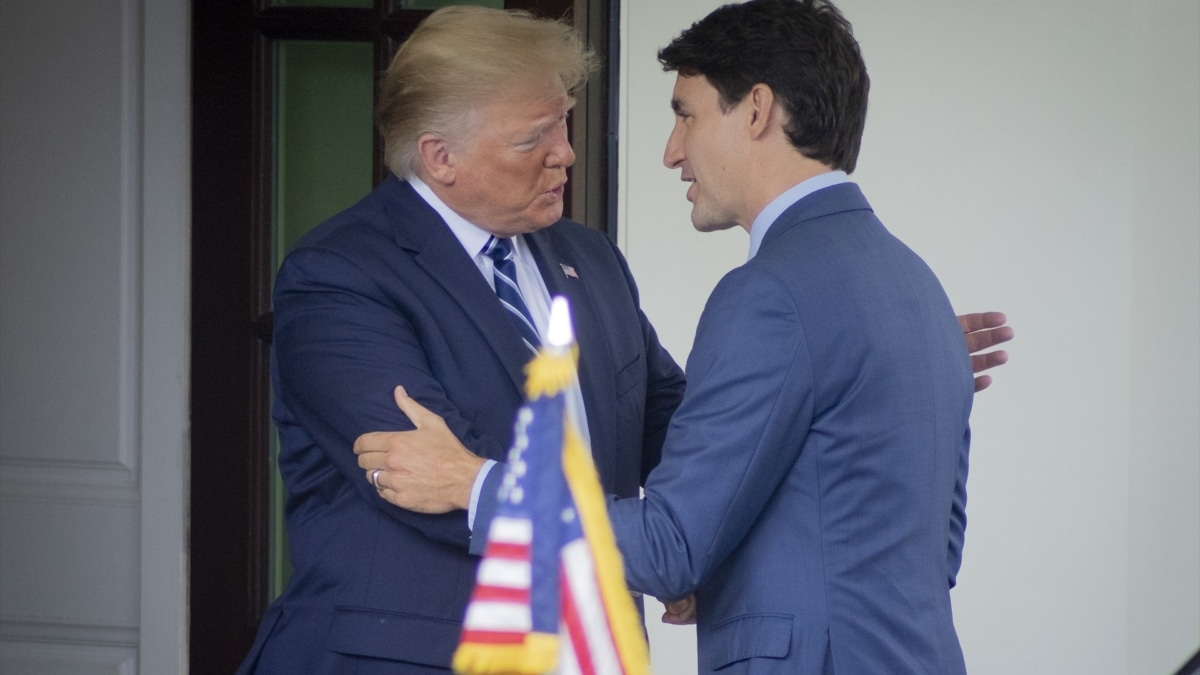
<point x="32" y="657"/>
<point x="49" y="631"/>
<point x="165" y="349"/>
<point x="131" y="226"/>
<point x="67" y="482"/>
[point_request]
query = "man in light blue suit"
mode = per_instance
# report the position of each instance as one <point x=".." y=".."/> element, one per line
<point x="811" y="491"/>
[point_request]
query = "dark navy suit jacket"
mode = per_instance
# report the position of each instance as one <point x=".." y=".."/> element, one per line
<point x="812" y="486"/>
<point x="383" y="294"/>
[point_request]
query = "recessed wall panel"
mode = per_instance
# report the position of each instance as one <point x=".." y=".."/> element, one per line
<point x="73" y="563"/>
<point x="68" y="215"/>
<point x="32" y="658"/>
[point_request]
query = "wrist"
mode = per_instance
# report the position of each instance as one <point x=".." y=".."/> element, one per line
<point x="474" y="464"/>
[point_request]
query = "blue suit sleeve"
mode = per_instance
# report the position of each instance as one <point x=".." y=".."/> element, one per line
<point x="340" y="349"/>
<point x="745" y="417"/>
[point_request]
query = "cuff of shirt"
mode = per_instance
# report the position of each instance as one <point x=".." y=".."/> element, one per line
<point x="480" y="478"/>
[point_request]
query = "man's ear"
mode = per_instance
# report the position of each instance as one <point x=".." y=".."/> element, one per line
<point x="436" y="157"/>
<point x="763" y="114"/>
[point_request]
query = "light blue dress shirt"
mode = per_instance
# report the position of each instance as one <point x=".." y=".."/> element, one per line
<point x="771" y="213"/>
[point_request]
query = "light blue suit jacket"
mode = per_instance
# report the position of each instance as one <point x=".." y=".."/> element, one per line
<point x="812" y="485"/>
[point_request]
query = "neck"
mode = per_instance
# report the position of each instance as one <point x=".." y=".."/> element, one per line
<point x="773" y="178"/>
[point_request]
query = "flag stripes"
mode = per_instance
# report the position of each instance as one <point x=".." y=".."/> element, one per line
<point x="584" y="612"/>
<point x="550" y="594"/>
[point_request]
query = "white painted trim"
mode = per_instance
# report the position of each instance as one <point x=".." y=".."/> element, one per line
<point x="49" y="631"/>
<point x="131" y="226"/>
<point x="68" y="480"/>
<point x="165" y="354"/>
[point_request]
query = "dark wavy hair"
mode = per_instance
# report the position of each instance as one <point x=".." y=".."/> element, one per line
<point x="804" y="50"/>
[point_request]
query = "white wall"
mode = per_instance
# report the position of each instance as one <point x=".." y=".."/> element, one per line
<point x="1063" y="140"/>
<point x="1044" y="158"/>
<point x="93" y="336"/>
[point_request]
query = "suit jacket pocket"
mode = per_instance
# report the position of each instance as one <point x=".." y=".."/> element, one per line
<point x="749" y="636"/>
<point x="389" y="635"/>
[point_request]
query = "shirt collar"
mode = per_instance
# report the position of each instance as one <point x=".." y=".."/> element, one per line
<point x="471" y="236"/>
<point x="768" y="215"/>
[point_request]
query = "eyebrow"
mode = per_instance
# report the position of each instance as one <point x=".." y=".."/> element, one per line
<point x="540" y="125"/>
<point x="551" y="120"/>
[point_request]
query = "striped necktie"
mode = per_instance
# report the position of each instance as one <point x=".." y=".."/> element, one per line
<point x="505" y="274"/>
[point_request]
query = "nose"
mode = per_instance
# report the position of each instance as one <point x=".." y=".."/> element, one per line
<point x="673" y="154"/>
<point x="561" y="153"/>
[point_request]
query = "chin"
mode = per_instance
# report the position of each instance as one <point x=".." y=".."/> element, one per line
<point x="711" y="226"/>
<point x="705" y="222"/>
<point x="545" y="220"/>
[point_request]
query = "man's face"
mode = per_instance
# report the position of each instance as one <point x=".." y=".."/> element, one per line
<point x="704" y="146"/>
<point x="511" y="170"/>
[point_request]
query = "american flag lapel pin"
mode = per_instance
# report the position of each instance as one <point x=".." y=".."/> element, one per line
<point x="568" y="271"/>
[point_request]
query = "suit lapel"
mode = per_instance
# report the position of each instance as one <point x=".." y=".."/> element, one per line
<point x="552" y="253"/>
<point x="420" y="230"/>
<point x="555" y="256"/>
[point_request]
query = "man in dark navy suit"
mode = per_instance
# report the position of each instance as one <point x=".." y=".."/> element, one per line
<point x="440" y="279"/>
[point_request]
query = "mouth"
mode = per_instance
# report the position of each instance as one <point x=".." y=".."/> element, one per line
<point x="691" y="181"/>
<point x="556" y="193"/>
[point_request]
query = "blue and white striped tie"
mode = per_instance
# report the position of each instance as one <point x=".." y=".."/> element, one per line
<point x="505" y="274"/>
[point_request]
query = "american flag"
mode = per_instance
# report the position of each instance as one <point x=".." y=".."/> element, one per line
<point x="550" y="594"/>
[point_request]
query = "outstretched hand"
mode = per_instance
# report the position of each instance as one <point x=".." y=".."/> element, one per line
<point x="425" y="470"/>
<point x="983" y="331"/>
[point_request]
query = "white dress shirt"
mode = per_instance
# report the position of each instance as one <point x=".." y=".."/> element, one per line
<point x="533" y="289"/>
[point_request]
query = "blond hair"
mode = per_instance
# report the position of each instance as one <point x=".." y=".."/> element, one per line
<point x="461" y="56"/>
